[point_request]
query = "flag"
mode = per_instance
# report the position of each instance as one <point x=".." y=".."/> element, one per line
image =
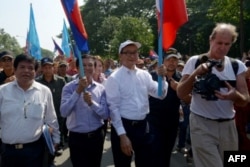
<point x="65" y="40"/>
<point x="174" y="15"/>
<point x="153" y="55"/>
<point x="73" y="14"/>
<point x="32" y="39"/>
<point x="171" y="15"/>
<point x="57" y="48"/>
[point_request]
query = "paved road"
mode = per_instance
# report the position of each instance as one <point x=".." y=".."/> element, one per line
<point x="177" y="160"/>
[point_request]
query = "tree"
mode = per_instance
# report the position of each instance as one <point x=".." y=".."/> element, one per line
<point x="192" y="38"/>
<point x="101" y="19"/>
<point x="137" y="29"/>
<point x="9" y="43"/>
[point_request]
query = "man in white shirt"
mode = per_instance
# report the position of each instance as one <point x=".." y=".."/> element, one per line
<point x="25" y="106"/>
<point x="127" y="91"/>
<point x="212" y="125"/>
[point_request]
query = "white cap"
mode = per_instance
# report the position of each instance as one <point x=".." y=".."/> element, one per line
<point x="128" y="42"/>
<point x="171" y="52"/>
<point x="177" y="56"/>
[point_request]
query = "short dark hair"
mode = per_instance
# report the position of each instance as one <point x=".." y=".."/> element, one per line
<point x="85" y="56"/>
<point x="24" y="57"/>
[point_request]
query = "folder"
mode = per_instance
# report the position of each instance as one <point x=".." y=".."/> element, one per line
<point x="48" y="139"/>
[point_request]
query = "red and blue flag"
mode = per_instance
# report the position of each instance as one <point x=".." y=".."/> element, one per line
<point x="73" y="14"/>
<point x="57" y="48"/>
<point x="153" y="55"/>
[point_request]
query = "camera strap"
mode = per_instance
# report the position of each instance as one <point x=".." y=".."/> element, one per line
<point x="234" y="64"/>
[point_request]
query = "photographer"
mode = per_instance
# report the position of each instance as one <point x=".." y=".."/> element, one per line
<point x="212" y="125"/>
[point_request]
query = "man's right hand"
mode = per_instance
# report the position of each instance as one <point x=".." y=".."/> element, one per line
<point x="201" y="69"/>
<point x="126" y="145"/>
<point x="82" y="85"/>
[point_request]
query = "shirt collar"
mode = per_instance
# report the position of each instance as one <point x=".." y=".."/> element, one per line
<point x="34" y="85"/>
<point x="94" y="83"/>
<point x="129" y="70"/>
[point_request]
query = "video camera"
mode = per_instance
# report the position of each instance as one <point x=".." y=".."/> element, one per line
<point x="206" y="84"/>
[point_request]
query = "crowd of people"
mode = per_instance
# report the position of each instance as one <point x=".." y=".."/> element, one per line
<point x="153" y="110"/>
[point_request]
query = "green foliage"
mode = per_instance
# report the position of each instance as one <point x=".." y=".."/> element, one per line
<point x="47" y="53"/>
<point x="109" y="22"/>
<point x="9" y="43"/>
<point x="136" y="29"/>
<point x="105" y="18"/>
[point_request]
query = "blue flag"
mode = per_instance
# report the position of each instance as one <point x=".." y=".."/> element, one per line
<point x="33" y="40"/>
<point x="65" y="40"/>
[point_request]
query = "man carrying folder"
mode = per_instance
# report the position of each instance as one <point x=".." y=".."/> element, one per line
<point x="25" y="105"/>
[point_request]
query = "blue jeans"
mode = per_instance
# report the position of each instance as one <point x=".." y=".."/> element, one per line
<point x="183" y="127"/>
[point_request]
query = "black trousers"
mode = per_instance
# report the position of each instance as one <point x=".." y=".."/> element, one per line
<point x="141" y="139"/>
<point x="86" y="148"/>
<point x="164" y="141"/>
<point x="28" y="155"/>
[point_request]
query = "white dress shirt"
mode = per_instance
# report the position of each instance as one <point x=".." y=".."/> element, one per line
<point x="219" y="108"/>
<point x="23" y="113"/>
<point x="127" y="95"/>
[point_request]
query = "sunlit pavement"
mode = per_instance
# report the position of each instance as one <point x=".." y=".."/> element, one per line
<point x="177" y="160"/>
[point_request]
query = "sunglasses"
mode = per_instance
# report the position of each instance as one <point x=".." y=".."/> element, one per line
<point x="6" y="60"/>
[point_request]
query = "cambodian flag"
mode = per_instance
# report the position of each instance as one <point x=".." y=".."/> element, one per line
<point x="73" y="14"/>
<point x="33" y="44"/>
<point x="172" y="14"/>
<point x="153" y="55"/>
<point x="57" y="48"/>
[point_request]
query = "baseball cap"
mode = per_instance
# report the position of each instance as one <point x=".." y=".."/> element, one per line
<point x="181" y="63"/>
<point x="140" y="61"/>
<point x="6" y="54"/>
<point x="128" y="42"/>
<point x="62" y="63"/>
<point x="46" y="60"/>
<point x="171" y="52"/>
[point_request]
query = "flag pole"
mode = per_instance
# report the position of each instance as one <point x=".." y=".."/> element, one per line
<point x="160" y="50"/>
<point x="73" y="14"/>
<point x="79" y="57"/>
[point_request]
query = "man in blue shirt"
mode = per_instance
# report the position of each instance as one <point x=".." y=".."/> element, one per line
<point x="84" y="104"/>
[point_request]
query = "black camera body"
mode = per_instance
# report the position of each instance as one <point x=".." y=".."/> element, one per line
<point x="206" y="84"/>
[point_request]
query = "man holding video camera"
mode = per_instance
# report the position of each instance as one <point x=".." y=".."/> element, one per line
<point x="212" y="124"/>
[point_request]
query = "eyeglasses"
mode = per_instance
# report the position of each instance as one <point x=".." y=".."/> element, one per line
<point x="130" y="53"/>
<point x="6" y="60"/>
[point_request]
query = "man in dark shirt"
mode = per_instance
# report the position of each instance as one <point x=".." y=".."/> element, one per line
<point x="55" y="83"/>
<point x="164" y="114"/>
<point x="62" y="71"/>
<point x="7" y="74"/>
